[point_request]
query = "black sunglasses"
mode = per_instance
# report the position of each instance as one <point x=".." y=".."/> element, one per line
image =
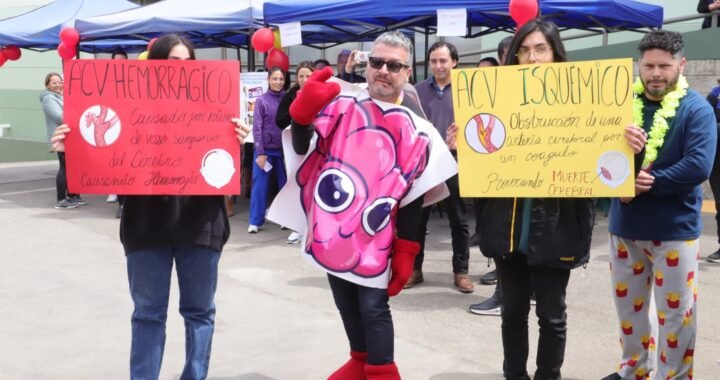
<point x="392" y="66"/>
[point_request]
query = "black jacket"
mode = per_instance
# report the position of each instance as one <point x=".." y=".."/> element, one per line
<point x="559" y="236"/>
<point x="282" y="117"/>
<point x="704" y="7"/>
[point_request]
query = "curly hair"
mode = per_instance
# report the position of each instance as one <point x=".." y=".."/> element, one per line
<point x="671" y="42"/>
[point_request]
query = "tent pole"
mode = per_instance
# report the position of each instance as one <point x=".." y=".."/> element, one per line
<point x="237" y="50"/>
<point x="251" y="53"/>
<point x="427" y="40"/>
<point x="414" y="61"/>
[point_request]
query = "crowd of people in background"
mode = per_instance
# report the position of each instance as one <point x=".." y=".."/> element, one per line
<point x="657" y="231"/>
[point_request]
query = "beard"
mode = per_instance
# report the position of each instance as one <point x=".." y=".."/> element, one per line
<point x="659" y="92"/>
<point x="381" y="87"/>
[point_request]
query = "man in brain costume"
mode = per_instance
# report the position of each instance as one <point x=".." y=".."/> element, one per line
<point x="365" y="164"/>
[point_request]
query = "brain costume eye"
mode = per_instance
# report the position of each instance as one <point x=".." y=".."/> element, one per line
<point x="335" y="191"/>
<point x="377" y="215"/>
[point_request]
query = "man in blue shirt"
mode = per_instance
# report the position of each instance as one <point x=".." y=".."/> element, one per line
<point x="654" y="236"/>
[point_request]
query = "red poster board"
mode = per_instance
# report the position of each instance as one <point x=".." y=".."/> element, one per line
<point x="152" y="127"/>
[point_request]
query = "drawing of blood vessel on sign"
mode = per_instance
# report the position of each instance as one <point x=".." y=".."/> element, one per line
<point x="485" y="133"/>
<point x="613" y="168"/>
<point x="100" y="126"/>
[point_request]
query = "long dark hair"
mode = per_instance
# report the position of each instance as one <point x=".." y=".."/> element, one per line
<point x="548" y="29"/>
<point x="163" y="45"/>
<point x="310" y="65"/>
<point x="286" y="82"/>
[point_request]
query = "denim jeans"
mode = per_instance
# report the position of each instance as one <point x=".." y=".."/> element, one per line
<point x="366" y="317"/>
<point x="260" y="184"/>
<point x="149" y="272"/>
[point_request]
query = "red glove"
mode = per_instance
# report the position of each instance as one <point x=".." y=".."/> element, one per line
<point x="403" y="260"/>
<point x="315" y="95"/>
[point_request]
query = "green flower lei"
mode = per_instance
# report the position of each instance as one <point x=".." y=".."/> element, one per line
<point x="659" y="128"/>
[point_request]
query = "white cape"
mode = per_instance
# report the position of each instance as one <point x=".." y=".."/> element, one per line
<point x="287" y="210"/>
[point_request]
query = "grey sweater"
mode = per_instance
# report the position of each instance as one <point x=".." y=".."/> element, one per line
<point x="438" y="105"/>
<point x="52" y="106"/>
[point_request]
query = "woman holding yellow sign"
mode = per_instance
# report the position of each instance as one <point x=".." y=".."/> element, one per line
<point x="537" y="240"/>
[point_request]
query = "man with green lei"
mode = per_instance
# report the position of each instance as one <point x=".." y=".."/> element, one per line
<point x="654" y="235"/>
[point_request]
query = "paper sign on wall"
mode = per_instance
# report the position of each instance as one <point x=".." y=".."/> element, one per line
<point x="290" y="34"/>
<point x="252" y="86"/>
<point x="152" y="127"/>
<point x="451" y="22"/>
<point x="551" y="130"/>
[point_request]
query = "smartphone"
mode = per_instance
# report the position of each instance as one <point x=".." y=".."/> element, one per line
<point x="362" y="56"/>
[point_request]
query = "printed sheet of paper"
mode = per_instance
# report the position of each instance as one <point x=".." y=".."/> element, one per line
<point x="290" y="34"/>
<point x="452" y="22"/>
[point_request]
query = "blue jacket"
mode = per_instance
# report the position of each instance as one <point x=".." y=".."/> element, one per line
<point x="52" y="106"/>
<point x="671" y="209"/>
<point x="265" y="131"/>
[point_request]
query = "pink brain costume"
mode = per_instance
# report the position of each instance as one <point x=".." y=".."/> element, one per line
<point x="350" y="190"/>
<point x="369" y="158"/>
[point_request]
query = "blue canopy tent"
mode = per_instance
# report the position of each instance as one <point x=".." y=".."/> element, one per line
<point x="217" y="23"/>
<point x="220" y="23"/>
<point x="596" y="15"/>
<point x="39" y="29"/>
<point x="420" y="15"/>
<point x="609" y="15"/>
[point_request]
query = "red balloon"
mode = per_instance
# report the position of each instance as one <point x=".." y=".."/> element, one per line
<point x="66" y="51"/>
<point x="2" y="58"/>
<point x="263" y="40"/>
<point x="150" y="44"/>
<point x="277" y="58"/>
<point x="12" y="52"/>
<point x="69" y="36"/>
<point x="523" y="11"/>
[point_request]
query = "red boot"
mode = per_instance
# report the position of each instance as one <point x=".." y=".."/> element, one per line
<point x="354" y="369"/>
<point x="382" y="372"/>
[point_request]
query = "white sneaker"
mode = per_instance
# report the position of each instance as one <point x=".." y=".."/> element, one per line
<point x="294" y="238"/>
<point x="253" y="229"/>
<point x="112" y="198"/>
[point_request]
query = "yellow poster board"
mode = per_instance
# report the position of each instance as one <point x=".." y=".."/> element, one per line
<point x="546" y="131"/>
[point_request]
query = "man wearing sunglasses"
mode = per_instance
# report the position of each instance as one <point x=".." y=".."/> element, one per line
<point x="436" y="100"/>
<point x="371" y="147"/>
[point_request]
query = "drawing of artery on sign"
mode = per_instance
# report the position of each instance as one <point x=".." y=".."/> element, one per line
<point x="96" y="119"/>
<point x="485" y="133"/>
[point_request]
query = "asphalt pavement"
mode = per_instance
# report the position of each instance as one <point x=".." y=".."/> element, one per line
<point x="65" y="307"/>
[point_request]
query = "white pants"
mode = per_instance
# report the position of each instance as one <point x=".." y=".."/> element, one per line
<point x="666" y="270"/>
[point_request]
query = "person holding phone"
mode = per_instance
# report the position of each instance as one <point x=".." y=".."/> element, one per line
<point x="349" y="74"/>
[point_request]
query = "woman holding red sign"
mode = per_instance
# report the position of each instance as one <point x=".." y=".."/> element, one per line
<point x="157" y="231"/>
